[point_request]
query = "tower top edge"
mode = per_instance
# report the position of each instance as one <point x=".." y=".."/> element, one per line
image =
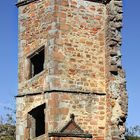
<point x="25" y="2"/>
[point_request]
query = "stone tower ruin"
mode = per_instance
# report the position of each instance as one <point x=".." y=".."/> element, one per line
<point x="71" y="82"/>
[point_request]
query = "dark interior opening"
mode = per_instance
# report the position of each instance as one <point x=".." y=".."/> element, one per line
<point x="39" y="120"/>
<point x="37" y="63"/>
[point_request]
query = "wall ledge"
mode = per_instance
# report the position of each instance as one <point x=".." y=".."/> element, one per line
<point x="25" y="2"/>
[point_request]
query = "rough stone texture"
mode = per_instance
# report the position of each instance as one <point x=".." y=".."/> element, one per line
<point x="89" y="110"/>
<point x="82" y="72"/>
<point x="74" y="37"/>
<point x="116" y="85"/>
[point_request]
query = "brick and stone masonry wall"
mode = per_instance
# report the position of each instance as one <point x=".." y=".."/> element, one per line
<point x="82" y="54"/>
<point x="74" y="37"/>
<point x="78" y="54"/>
<point x="35" y="21"/>
<point x="89" y="111"/>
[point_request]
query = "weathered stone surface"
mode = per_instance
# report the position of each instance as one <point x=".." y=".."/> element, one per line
<point x="82" y="72"/>
<point x="89" y="111"/>
<point x="116" y="89"/>
<point x="74" y="47"/>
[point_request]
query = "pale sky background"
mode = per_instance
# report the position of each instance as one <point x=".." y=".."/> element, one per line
<point x="130" y="52"/>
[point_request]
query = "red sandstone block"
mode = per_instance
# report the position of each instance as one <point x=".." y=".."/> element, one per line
<point x="102" y="69"/>
<point x="32" y="6"/>
<point x="56" y="8"/>
<point x="64" y="27"/>
<point x="72" y="71"/>
<point x="58" y="56"/>
<point x="64" y="3"/>
<point x="89" y="43"/>
<point x="55" y="14"/>
<point x="56" y="83"/>
<point x="54" y="96"/>
<point x="47" y="4"/>
<point x="93" y="32"/>
<point x="70" y="49"/>
<point x="62" y="15"/>
<point x="27" y="50"/>
<point x="93" y="122"/>
<point x="53" y="103"/>
<point x="54" y="111"/>
<point x="65" y="97"/>
<point x="68" y="44"/>
<point x="102" y="99"/>
<point x="95" y="29"/>
<point x="26" y="133"/>
<point x="82" y="40"/>
<point x="64" y="111"/>
<point x="99" y="138"/>
<point x="57" y="138"/>
<point x="101" y="107"/>
<point x="97" y="17"/>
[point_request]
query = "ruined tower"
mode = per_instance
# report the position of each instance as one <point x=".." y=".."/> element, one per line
<point x="71" y="81"/>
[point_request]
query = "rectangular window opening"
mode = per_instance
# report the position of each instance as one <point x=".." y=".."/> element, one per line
<point x="37" y="121"/>
<point x="37" y="62"/>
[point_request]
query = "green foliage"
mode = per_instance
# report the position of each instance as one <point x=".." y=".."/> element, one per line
<point x="6" y="138"/>
<point x="8" y="128"/>
<point x="133" y="133"/>
<point x="132" y="138"/>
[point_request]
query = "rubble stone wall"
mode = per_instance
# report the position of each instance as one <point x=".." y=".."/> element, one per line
<point x="117" y="99"/>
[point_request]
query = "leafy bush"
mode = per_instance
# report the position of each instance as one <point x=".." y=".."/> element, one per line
<point x="8" y="128"/>
<point x="133" y="133"/>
